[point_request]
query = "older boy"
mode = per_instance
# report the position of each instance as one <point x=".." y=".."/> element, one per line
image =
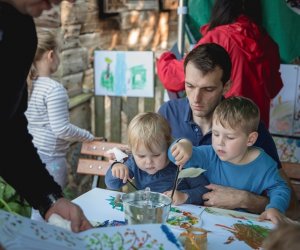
<point x="232" y="160"/>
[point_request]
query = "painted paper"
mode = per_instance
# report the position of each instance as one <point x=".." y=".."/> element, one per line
<point x="124" y="73"/>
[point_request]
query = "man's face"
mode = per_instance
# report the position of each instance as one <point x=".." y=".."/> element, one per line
<point x="204" y="92"/>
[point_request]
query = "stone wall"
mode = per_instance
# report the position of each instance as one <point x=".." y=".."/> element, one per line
<point x="83" y="32"/>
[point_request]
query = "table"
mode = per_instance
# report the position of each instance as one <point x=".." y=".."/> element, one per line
<point x="19" y="232"/>
<point x="227" y="229"/>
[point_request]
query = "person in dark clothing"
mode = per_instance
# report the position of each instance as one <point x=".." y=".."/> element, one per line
<point x="27" y="174"/>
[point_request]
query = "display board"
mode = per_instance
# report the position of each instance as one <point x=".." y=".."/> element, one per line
<point x="285" y="107"/>
<point x="124" y="73"/>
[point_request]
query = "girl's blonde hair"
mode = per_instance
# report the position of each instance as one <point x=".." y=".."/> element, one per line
<point x="239" y="112"/>
<point x="151" y="130"/>
<point x="47" y="41"/>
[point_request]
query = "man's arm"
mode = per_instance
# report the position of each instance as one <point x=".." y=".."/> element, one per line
<point x="266" y="142"/>
<point x="293" y="211"/>
<point x="230" y="198"/>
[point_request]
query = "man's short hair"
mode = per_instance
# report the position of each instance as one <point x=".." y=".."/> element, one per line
<point x="206" y="57"/>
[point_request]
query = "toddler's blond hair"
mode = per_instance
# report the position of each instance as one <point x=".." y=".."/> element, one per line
<point x="151" y="130"/>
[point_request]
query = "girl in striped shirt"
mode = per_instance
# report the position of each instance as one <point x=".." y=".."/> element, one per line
<point x="48" y="111"/>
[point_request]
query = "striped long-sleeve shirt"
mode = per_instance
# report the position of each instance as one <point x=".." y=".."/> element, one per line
<point x="48" y="118"/>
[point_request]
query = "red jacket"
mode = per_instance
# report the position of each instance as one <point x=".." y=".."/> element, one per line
<point x="255" y="63"/>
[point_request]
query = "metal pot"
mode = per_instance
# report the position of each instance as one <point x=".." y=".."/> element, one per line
<point x="145" y="207"/>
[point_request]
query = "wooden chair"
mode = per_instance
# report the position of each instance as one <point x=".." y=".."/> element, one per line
<point x="94" y="159"/>
<point x="292" y="170"/>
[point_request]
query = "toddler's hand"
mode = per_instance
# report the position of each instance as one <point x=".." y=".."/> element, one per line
<point x="119" y="170"/>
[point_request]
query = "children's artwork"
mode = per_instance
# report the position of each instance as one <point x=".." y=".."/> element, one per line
<point x="101" y="205"/>
<point x="226" y="229"/>
<point x="182" y="219"/>
<point x="124" y="73"/>
<point x="226" y="232"/>
<point x="285" y="107"/>
<point x="17" y="232"/>
<point x="288" y="148"/>
<point x="231" y="213"/>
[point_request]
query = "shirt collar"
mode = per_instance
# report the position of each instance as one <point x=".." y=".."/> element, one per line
<point x="188" y="117"/>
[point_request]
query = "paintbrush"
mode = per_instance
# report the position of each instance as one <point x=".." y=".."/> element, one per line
<point x="175" y="183"/>
<point x="131" y="183"/>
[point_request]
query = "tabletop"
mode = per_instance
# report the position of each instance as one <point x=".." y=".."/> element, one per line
<point x="227" y="229"/>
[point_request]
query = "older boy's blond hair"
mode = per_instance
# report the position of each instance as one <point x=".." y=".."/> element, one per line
<point x="238" y="112"/>
<point x="149" y="129"/>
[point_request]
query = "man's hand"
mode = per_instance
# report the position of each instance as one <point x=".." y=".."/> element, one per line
<point x="72" y="212"/>
<point x="230" y="198"/>
<point x="222" y="197"/>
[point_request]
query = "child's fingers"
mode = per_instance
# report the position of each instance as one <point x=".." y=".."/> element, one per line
<point x="114" y="172"/>
<point x="118" y="173"/>
<point x="124" y="176"/>
<point x="177" y="155"/>
<point x="181" y="159"/>
<point x="174" y="152"/>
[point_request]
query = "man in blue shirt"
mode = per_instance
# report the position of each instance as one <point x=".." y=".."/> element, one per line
<point x="207" y="78"/>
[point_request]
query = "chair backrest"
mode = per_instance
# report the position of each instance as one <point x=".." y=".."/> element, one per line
<point x="292" y="170"/>
<point x="94" y="160"/>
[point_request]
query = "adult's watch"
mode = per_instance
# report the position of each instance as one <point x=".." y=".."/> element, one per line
<point x="48" y="202"/>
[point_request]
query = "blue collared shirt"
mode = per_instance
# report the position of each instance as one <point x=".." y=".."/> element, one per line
<point x="179" y="115"/>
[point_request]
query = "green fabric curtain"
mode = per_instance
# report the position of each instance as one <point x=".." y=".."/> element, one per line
<point x="279" y="20"/>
